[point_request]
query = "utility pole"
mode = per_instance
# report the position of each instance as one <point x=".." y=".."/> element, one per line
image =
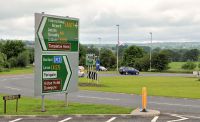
<point x="117" y="45"/>
<point x="150" y="49"/>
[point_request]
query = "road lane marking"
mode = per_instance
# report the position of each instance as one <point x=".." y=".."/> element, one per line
<point x="12" y="88"/>
<point x="155" y="119"/>
<point x="189" y="116"/>
<point x="177" y="120"/>
<point x="64" y="120"/>
<point x="111" y="119"/>
<point x="175" y="104"/>
<point x="15" y="120"/>
<point x="100" y="98"/>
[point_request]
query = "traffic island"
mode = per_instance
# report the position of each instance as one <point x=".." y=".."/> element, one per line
<point x="148" y="113"/>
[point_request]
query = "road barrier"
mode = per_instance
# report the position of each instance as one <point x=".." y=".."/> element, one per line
<point x="144" y="99"/>
<point x="11" y="97"/>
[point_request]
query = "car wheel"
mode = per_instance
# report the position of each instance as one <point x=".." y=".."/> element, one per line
<point x="126" y="73"/>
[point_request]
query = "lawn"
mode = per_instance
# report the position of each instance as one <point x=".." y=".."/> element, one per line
<point x="17" y="71"/>
<point x="32" y="106"/>
<point x="176" y="67"/>
<point x="184" y="87"/>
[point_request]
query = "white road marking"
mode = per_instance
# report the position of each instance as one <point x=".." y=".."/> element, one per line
<point x="189" y="116"/>
<point x="155" y="119"/>
<point x="64" y="120"/>
<point x="111" y="119"/>
<point x="181" y="118"/>
<point x="16" y="120"/>
<point x="12" y="88"/>
<point x="100" y="98"/>
<point x="194" y="106"/>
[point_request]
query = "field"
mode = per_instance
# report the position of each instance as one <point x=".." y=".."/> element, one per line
<point x="184" y="87"/>
<point x="32" y="106"/>
<point x="176" y="67"/>
<point x="17" y="71"/>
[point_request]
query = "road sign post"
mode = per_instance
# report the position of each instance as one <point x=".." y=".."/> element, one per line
<point x="56" y="55"/>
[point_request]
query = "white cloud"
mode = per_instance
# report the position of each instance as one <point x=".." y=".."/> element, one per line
<point x="169" y="20"/>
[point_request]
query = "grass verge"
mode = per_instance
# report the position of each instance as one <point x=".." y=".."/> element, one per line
<point x="184" y="87"/>
<point x="17" y="71"/>
<point x="32" y="106"/>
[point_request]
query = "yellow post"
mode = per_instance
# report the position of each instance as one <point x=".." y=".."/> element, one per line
<point x="144" y="99"/>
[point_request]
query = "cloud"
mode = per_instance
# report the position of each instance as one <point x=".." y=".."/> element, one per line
<point x="169" y="20"/>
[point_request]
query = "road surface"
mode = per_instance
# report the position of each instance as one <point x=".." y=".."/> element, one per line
<point x="23" y="84"/>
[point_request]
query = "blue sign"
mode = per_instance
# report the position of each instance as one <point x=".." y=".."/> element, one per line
<point x="57" y="59"/>
<point x="97" y="65"/>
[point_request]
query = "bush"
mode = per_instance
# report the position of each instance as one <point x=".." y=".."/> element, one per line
<point x="23" y="59"/>
<point x="189" y="66"/>
<point x="13" y="62"/>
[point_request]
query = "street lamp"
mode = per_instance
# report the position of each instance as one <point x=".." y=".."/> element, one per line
<point x="99" y="38"/>
<point x="117" y="44"/>
<point x="150" y="49"/>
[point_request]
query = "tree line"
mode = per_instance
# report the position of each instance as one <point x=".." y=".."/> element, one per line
<point x="139" y="57"/>
<point x="14" y="53"/>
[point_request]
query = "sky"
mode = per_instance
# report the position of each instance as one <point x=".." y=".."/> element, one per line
<point x="168" y="20"/>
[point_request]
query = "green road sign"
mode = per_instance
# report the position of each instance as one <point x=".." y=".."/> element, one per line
<point x="56" y="73"/>
<point x="90" y="59"/>
<point x="58" y="34"/>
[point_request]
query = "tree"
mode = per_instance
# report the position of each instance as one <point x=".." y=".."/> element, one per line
<point x="160" y="61"/>
<point x="132" y="54"/>
<point x="23" y="59"/>
<point x="191" y="55"/>
<point x="93" y="50"/>
<point x="189" y="66"/>
<point x="3" y="61"/>
<point x="143" y="63"/>
<point x="82" y="54"/>
<point x="107" y="58"/>
<point x="13" y="48"/>
<point x="31" y="55"/>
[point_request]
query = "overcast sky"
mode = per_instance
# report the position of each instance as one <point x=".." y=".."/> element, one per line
<point x="168" y="20"/>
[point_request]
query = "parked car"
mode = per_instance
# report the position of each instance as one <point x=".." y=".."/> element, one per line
<point x="128" y="70"/>
<point x="101" y="68"/>
<point x="81" y="72"/>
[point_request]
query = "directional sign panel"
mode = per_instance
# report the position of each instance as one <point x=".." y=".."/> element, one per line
<point x="56" y="73"/>
<point x="58" y="34"/>
<point x="56" y="54"/>
<point x="90" y="59"/>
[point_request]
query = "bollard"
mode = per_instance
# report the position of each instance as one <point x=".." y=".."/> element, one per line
<point x="144" y="99"/>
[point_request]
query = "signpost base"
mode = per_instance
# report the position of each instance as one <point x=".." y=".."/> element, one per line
<point x="43" y="105"/>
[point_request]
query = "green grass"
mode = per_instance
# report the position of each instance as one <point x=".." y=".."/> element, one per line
<point x="32" y="106"/>
<point x="184" y="87"/>
<point x="176" y="67"/>
<point x="17" y="71"/>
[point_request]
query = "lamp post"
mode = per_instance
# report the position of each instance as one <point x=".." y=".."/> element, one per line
<point x="117" y="44"/>
<point x="99" y="38"/>
<point x="150" y="49"/>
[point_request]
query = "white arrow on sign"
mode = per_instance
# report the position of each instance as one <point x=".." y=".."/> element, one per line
<point x="41" y="38"/>
<point x="68" y="73"/>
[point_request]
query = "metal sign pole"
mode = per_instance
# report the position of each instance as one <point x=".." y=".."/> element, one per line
<point x="66" y="100"/>
<point x="43" y="105"/>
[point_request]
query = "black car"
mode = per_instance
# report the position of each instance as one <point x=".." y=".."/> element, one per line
<point x="128" y="70"/>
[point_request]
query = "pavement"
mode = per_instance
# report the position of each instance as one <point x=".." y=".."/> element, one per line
<point x="182" y="107"/>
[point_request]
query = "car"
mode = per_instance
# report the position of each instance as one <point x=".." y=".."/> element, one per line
<point x="102" y="68"/>
<point x="128" y="70"/>
<point x="81" y="72"/>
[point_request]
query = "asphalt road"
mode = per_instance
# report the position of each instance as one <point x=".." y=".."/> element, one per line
<point x="148" y="74"/>
<point x="100" y="118"/>
<point x="23" y="84"/>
